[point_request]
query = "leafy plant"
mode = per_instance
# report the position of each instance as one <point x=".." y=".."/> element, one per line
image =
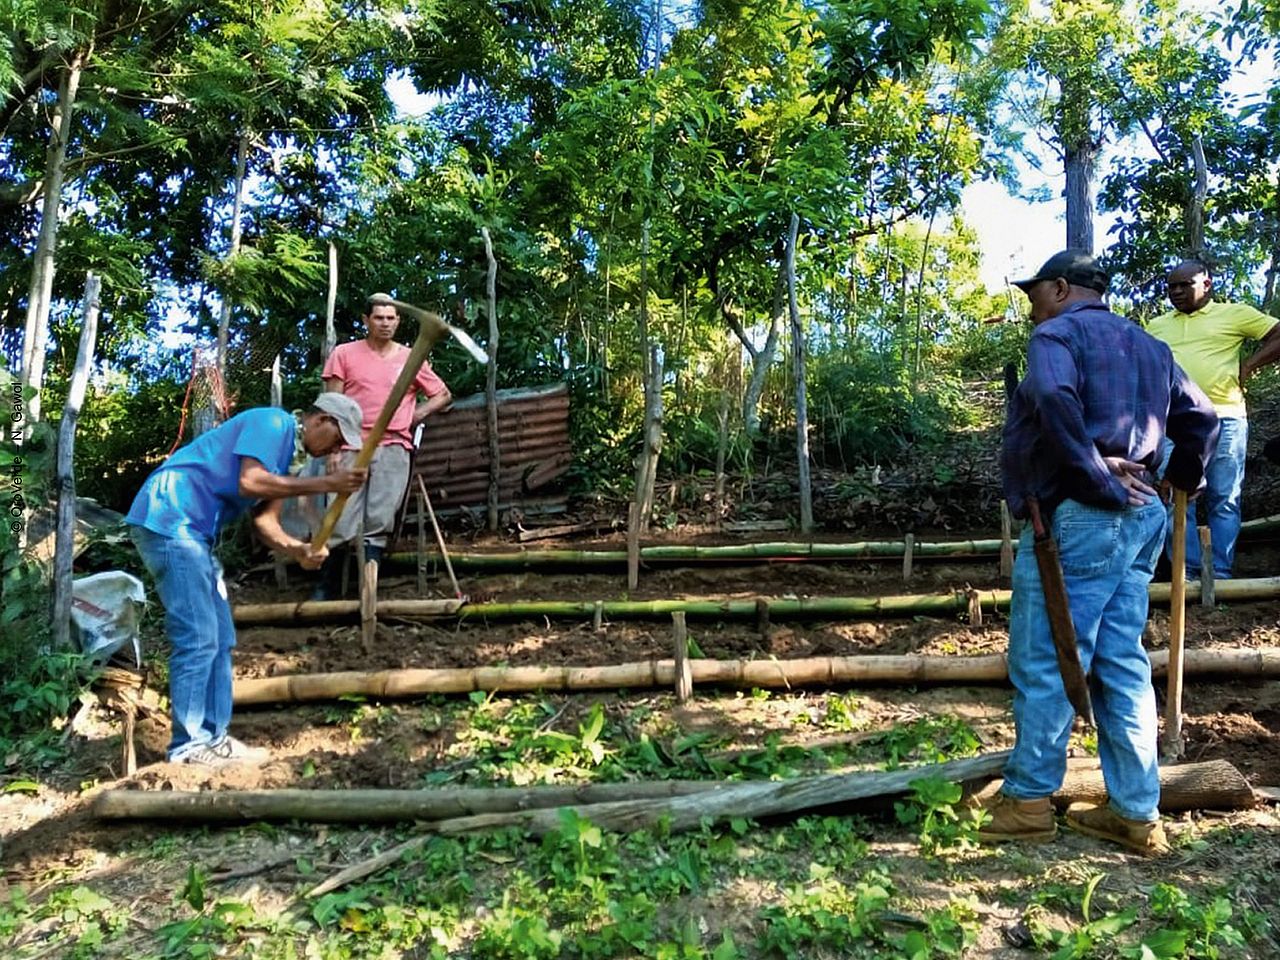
<point x="933" y="806"/>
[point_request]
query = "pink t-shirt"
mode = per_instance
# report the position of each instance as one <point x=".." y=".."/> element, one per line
<point x="368" y="378"/>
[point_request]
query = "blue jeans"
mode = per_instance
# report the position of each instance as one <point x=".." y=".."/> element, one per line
<point x="1224" y="478"/>
<point x="1108" y="559"/>
<point x="198" y="623"/>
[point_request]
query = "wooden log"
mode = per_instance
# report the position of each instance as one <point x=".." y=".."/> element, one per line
<point x="371" y="806"/>
<point x="1208" y="595"/>
<point x="1211" y="785"/>
<point x="1257" y="663"/>
<point x="754" y="799"/>
<point x="65" y="533"/>
<point x="683" y="671"/>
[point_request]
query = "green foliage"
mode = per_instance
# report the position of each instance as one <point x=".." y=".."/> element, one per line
<point x="1191" y="927"/>
<point x="934" y="805"/>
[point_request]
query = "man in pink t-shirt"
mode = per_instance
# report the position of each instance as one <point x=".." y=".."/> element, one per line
<point x="366" y="370"/>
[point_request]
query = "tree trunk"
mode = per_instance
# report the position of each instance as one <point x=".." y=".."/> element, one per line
<point x="491" y="382"/>
<point x="64" y="550"/>
<point x="762" y="359"/>
<point x="35" y="339"/>
<point x="1212" y="785"/>
<point x="331" y="307"/>
<point x="1195" y="202"/>
<point x="237" y="209"/>
<point x="802" y="401"/>
<point x="1079" y="161"/>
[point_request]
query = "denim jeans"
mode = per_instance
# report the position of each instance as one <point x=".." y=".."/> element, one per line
<point x="1224" y="478"/>
<point x="197" y="620"/>
<point x="1108" y="559"/>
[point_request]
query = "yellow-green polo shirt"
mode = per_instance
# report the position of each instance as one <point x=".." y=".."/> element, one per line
<point x="1206" y="344"/>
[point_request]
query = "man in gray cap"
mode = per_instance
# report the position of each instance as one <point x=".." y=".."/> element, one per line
<point x="244" y="464"/>
<point x="1081" y="438"/>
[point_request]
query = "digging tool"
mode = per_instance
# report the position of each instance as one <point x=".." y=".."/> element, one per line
<point x="1171" y="744"/>
<point x="1061" y="626"/>
<point x="435" y="525"/>
<point x="431" y="329"/>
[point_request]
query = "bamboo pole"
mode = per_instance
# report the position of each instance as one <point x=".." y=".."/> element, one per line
<point x="871" y="550"/>
<point x="954" y="602"/>
<point x="1171" y="745"/>
<point x="1258" y="663"/>
<point x="65" y="533"/>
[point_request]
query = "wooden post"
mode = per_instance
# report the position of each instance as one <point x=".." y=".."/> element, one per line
<point x="422" y="538"/>
<point x="1208" y="589"/>
<point x="1171" y="745"/>
<point x="277" y="400"/>
<point x="369" y="605"/>
<point x="1006" y="541"/>
<point x="633" y="545"/>
<point x="64" y="538"/>
<point x="684" y="671"/>
<point x="908" y="552"/>
<point x="491" y="381"/>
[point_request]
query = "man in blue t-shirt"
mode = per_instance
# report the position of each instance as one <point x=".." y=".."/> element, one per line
<point x="242" y="465"/>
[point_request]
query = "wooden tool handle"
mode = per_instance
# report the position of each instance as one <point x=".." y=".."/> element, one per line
<point x="431" y="329"/>
<point x="1171" y="746"/>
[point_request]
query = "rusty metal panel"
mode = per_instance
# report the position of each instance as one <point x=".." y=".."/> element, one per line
<point x="533" y="435"/>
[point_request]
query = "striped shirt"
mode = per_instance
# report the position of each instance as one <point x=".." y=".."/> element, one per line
<point x="1099" y="386"/>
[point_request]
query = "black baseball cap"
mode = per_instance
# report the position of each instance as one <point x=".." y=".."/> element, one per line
<point x="1074" y="266"/>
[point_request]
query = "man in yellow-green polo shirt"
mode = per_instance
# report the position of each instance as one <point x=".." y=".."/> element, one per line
<point x="1206" y="338"/>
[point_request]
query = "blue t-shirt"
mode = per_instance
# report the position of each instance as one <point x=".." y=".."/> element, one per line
<point x="194" y="493"/>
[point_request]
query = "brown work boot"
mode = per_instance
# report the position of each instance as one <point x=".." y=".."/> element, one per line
<point x="1013" y="819"/>
<point x="1140" y="836"/>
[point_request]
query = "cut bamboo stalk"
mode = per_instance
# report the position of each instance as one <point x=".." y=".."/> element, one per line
<point x="1258" y="663"/>
<point x="811" y="608"/>
<point x="1208" y="596"/>
<point x="683" y="671"/>
<point x="1171" y="745"/>
<point x="908" y="555"/>
<point x="682" y="553"/>
<point x="1006" y="541"/>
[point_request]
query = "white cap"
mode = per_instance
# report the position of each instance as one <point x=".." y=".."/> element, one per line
<point x="346" y="412"/>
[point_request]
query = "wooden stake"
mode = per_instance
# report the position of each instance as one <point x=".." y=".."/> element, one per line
<point x="633" y="546"/>
<point x="1006" y="541"/>
<point x="975" y="608"/>
<point x="762" y="618"/>
<point x="683" y="671"/>
<point x="491" y="383"/>
<point x="277" y="400"/>
<point x="369" y="605"/>
<point x="1171" y="745"/>
<point x="908" y="549"/>
<point x="435" y="525"/>
<point x="421" y="494"/>
<point x="1208" y="597"/>
<point x="597" y="616"/>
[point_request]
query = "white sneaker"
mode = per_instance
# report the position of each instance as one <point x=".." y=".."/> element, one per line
<point x="231" y="750"/>
<point x="205" y="757"/>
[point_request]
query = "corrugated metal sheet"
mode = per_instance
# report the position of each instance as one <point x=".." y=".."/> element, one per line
<point x="533" y="433"/>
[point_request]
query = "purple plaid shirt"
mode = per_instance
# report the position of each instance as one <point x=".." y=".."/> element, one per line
<point x="1100" y="386"/>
